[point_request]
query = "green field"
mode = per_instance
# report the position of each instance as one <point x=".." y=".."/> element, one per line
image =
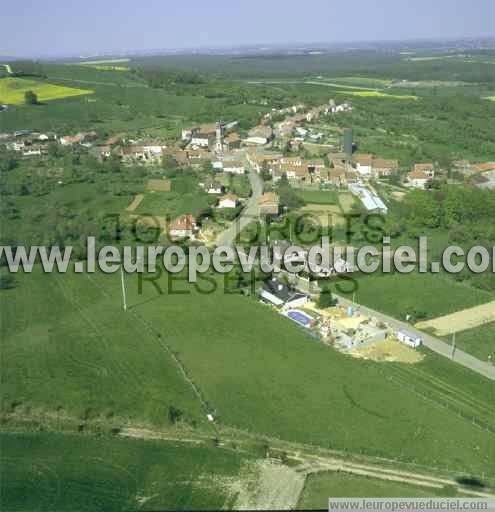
<point x="401" y="294"/>
<point x="171" y="203"/>
<point x="322" y="486"/>
<point x="318" y="197"/>
<point x="480" y="341"/>
<point x="60" y="472"/>
<point x="12" y="90"/>
<point x="79" y="354"/>
<point x="185" y="197"/>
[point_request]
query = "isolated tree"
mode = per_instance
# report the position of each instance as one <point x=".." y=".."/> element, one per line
<point x="30" y="98"/>
<point x="174" y="414"/>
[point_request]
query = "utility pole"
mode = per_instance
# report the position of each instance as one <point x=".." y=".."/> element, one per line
<point x="122" y="282"/>
<point x="453" y="346"/>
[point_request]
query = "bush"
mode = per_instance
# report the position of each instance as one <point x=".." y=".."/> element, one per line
<point x="326" y="299"/>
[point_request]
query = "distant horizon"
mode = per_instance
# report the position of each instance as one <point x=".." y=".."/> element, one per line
<point x="260" y="47"/>
<point x="95" y="28"/>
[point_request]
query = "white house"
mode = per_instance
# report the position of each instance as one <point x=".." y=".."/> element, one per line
<point x="214" y="188"/>
<point x="428" y="169"/>
<point x="364" y="164"/>
<point x="417" y="179"/>
<point x="153" y="148"/>
<point x="228" y="201"/>
<point x="203" y="140"/>
<point x="410" y="339"/>
<point x="32" y="151"/>
<point x="233" y="166"/>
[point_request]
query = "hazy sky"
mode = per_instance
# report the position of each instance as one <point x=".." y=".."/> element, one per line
<point x="71" y="27"/>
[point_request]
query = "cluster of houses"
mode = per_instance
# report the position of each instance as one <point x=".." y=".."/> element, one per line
<point x="297" y="169"/>
<point x="423" y="173"/>
<point x="338" y="169"/>
<point x="187" y="226"/>
<point x="218" y="137"/>
<point x="28" y="143"/>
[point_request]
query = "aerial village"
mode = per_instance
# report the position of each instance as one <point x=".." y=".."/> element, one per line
<point x="273" y="151"/>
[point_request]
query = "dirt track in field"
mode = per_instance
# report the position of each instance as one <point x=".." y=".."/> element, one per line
<point x="135" y="203"/>
<point x="461" y="320"/>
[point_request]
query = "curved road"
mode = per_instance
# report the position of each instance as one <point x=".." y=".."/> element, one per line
<point x="249" y="213"/>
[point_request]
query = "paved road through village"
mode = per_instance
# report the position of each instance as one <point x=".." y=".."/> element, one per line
<point x="249" y="213"/>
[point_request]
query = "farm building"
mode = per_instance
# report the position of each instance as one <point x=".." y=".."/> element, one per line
<point x="410" y="339"/>
<point x="369" y="198"/>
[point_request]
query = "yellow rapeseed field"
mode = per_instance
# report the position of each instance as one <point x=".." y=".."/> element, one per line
<point x="12" y="90"/>
<point x="378" y="94"/>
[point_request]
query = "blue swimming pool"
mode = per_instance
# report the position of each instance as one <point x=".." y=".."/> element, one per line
<point x="299" y="317"/>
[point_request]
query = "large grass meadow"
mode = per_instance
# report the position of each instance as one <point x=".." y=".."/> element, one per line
<point x="60" y="472"/>
<point x="69" y="347"/>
